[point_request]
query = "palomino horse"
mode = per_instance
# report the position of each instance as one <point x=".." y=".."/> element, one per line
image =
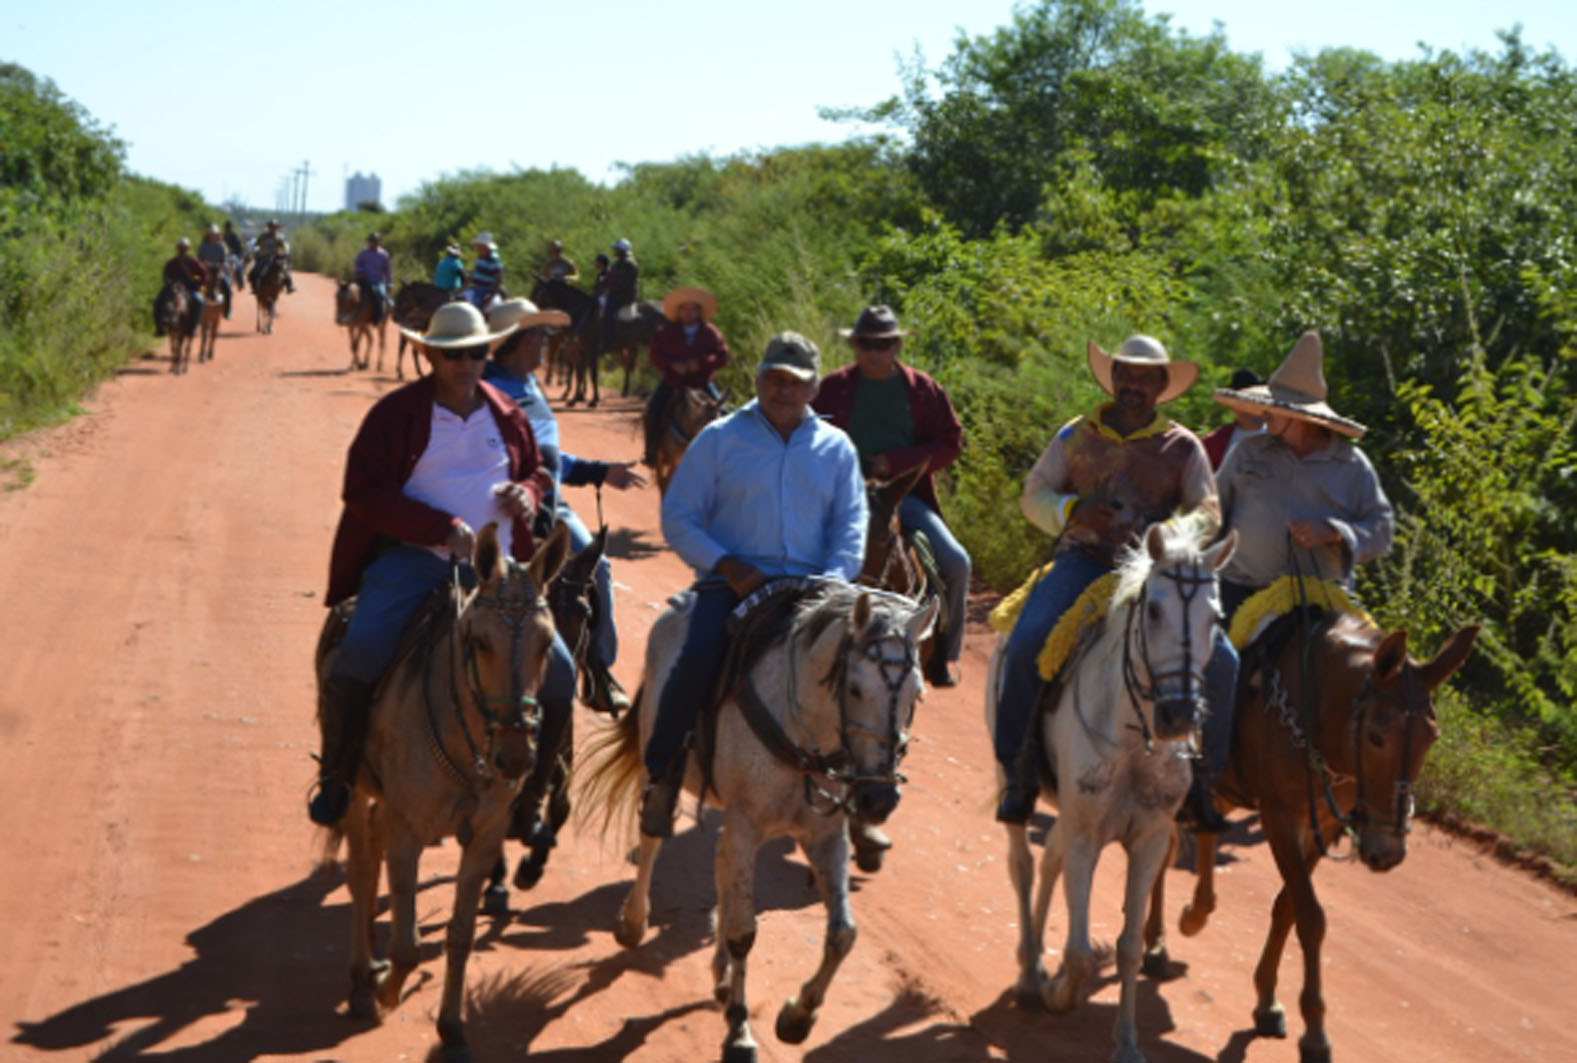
<point x="1118" y="741"/>
<point x="171" y="309"/>
<point x="414" y="303"/>
<point x="575" y="349"/>
<point x="354" y="308"/>
<point x="893" y="562"/>
<point x="270" y="282"/>
<point x="688" y="411"/>
<point x="1349" y="764"/>
<point x="812" y="733"/>
<point x="452" y="734"/>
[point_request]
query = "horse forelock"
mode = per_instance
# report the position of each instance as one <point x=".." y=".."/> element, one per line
<point x="1186" y="538"/>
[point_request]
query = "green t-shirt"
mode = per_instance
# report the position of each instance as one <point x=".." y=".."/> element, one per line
<point x="880" y="419"/>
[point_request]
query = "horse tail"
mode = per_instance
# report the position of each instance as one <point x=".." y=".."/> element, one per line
<point x="608" y="777"/>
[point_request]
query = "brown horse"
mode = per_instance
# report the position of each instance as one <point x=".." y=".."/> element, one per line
<point x="453" y="733"/>
<point x="574" y="350"/>
<point x="894" y="562"/>
<point x="354" y="308"/>
<point x="414" y="303"/>
<point x="689" y="411"/>
<point x="171" y="309"/>
<point x="1333" y="723"/>
<point x="270" y="282"/>
<point x="213" y="314"/>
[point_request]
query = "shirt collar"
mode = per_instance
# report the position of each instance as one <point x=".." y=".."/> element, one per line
<point x="1157" y="425"/>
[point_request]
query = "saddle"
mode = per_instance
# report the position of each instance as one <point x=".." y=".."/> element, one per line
<point x="1071" y="630"/>
<point x="1285" y="596"/>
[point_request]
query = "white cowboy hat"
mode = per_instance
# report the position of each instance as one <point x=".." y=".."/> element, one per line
<point x="523" y="314"/>
<point x="1143" y="350"/>
<point x="1296" y="389"/>
<point x="689" y="294"/>
<point x="457" y="325"/>
<point x="484" y="239"/>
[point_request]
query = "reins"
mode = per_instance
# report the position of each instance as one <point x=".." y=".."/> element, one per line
<point x="1192" y="681"/>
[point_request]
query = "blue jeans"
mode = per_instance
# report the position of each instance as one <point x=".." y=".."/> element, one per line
<point x="477" y="297"/>
<point x="693" y="679"/>
<point x="605" y="638"/>
<point x="379" y="293"/>
<point x="951" y="557"/>
<point x="392" y="589"/>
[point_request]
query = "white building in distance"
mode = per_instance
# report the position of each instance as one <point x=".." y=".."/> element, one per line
<point x="361" y="189"/>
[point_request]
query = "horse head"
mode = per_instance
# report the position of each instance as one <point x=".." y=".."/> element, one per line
<point x="1171" y="624"/>
<point x="1390" y="726"/>
<point x="884" y="535"/>
<point x="570" y="595"/>
<point x="347" y="300"/>
<point x="505" y="633"/>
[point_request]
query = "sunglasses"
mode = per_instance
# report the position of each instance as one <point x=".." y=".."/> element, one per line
<point x="455" y="354"/>
<point x="877" y="343"/>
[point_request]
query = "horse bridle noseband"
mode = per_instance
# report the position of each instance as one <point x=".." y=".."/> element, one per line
<point x="1192" y="679"/>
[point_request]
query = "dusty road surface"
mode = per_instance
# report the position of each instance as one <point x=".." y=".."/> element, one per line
<point x="162" y="581"/>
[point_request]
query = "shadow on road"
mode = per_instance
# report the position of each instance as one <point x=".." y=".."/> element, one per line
<point x="631" y="544"/>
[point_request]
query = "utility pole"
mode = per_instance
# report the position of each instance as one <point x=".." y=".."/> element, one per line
<point x="305" y="172"/>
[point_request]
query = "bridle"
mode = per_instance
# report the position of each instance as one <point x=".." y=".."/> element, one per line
<point x="1189" y="678"/>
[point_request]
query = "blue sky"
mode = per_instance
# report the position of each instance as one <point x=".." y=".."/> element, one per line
<point x="214" y="98"/>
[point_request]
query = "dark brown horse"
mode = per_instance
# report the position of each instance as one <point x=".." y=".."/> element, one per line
<point x="354" y="308"/>
<point x="1333" y="723"/>
<point x="574" y="350"/>
<point x="633" y="336"/>
<point x="270" y="282"/>
<point x="896" y="563"/>
<point x="171" y="310"/>
<point x="414" y="303"/>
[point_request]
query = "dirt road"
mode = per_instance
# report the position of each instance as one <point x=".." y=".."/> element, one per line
<point x="162" y="583"/>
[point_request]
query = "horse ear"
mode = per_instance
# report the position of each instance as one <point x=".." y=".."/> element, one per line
<point x="1390" y="655"/>
<point x="1218" y="555"/>
<point x="923" y="622"/>
<point x="488" y="557"/>
<point x="861" y="617"/>
<point x="1155" y="541"/>
<point x="1451" y="656"/>
<point x="550" y="556"/>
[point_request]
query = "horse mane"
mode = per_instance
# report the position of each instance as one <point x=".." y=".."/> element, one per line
<point x="1186" y="536"/>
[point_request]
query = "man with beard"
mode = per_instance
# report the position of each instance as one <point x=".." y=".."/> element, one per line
<point x="1101" y="482"/>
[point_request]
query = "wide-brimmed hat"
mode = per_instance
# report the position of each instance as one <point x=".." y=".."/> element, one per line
<point x="457" y="325"/>
<point x="484" y="238"/>
<point x="874" y="322"/>
<point x="690" y="293"/>
<point x="212" y="230"/>
<point x="1296" y="389"/>
<point x="792" y="353"/>
<point x="1143" y="350"/>
<point x="523" y="314"/>
<point x="453" y="249"/>
<point x="272" y="223"/>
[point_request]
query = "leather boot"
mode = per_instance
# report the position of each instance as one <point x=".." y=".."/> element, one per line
<point x="342" y="714"/>
<point x="1198" y="812"/>
<point x="1023" y="787"/>
<point x="606" y="695"/>
<point x="658" y="802"/>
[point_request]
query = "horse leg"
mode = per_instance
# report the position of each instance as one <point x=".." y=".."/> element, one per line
<point x="1157" y="964"/>
<point x="363" y="855"/>
<point x="627" y="356"/>
<point x="831" y="860"/>
<point x="475" y="860"/>
<point x="545" y="835"/>
<point x="1146" y="863"/>
<point x="1077" y="856"/>
<point x="1309" y="918"/>
<point x="495" y="895"/>
<point x="631" y="925"/>
<point x="591" y="372"/>
<point x="1021" y="871"/>
<point x="405" y="851"/>
<point x="1196" y="913"/>
<point x="736" y="931"/>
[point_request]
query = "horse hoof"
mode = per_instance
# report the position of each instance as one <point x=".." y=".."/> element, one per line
<point x="1192" y="920"/>
<point x="457" y="1054"/>
<point x="528" y="873"/>
<point x="1271" y="1021"/>
<point x="868" y="860"/>
<point x="627" y="934"/>
<point x="1028" y="998"/>
<point x="1156" y="963"/>
<point x="362" y="1004"/>
<point x="739" y="1053"/>
<point x="794" y="1023"/>
<point x="1316" y="1053"/>
<point x="495" y="899"/>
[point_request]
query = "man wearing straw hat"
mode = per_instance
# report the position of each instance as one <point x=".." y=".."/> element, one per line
<point x="1301" y="496"/>
<point x="432" y="461"/>
<point x="449" y="274"/>
<point x="687" y="350"/>
<point x="487" y="276"/>
<point x="1104" y="478"/>
<point x="513" y="371"/>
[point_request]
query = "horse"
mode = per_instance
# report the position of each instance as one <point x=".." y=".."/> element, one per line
<point x="171" y="308"/>
<point x="573" y="603"/>
<point x="414" y="303"/>
<point x="1118" y="741"/>
<point x="576" y="349"/>
<point x="812" y="733"/>
<point x="687" y="412"/>
<point x="897" y="562"/>
<point x="213" y="314"/>
<point x="453" y="732"/>
<point x="637" y="324"/>
<point x="354" y="308"/>
<point x="1333" y="723"/>
<point x="270" y="282"/>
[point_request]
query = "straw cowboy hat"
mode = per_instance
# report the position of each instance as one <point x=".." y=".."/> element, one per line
<point x="457" y="325"/>
<point x="1143" y="350"/>
<point x="484" y="239"/>
<point x="874" y="322"/>
<point x="523" y="314"/>
<point x="1296" y="389"/>
<point x="690" y="293"/>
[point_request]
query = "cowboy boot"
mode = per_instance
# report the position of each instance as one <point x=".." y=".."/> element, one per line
<point x="606" y="695"/>
<point x="1199" y="812"/>
<point x="343" y="714"/>
<point x="1017" y="804"/>
<point x="660" y="800"/>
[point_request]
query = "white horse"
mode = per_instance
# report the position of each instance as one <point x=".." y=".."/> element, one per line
<point x="814" y="731"/>
<point x="1119" y="740"/>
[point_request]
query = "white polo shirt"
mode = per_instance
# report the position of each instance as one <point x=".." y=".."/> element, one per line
<point x="465" y="461"/>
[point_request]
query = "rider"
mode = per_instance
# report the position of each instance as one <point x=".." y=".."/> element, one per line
<point x="622" y="291"/>
<point x="686" y="350"/>
<point x="769" y="490"/>
<point x="237" y="251"/>
<point x="216" y="256"/>
<point x="557" y="267"/>
<point x="187" y="271"/>
<point x="487" y="276"/>
<point x="449" y="274"/>
<point x="900" y="418"/>
<point x="374" y="275"/>
<point x="513" y="371"/>
<point x="269" y="246"/>
<point x="1102" y="480"/>
<point x="1220" y="440"/>
<point x="432" y="461"/>
<point x="1301" y="497"/>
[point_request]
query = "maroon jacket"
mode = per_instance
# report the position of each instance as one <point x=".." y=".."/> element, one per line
<point x="939" y="438"/>
<point x="383" y="455"/>
<point x="186" y="269"/>
<point x="669" y="349"/>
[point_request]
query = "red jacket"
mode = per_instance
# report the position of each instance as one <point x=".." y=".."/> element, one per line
<point x="184" y="269"/>
<point x="669" y="349"/>
<point x="383" y="455"/>
<point x="938" y="437"/>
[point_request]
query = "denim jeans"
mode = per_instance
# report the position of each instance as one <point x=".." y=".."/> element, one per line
<point x="694" y="676"/>
<point x="951" y="557"/>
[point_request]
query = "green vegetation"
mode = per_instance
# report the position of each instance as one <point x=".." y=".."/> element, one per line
<point x="81" y="245"/>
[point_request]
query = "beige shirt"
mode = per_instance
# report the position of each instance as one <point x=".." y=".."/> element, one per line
<point x="1150" y="475"/>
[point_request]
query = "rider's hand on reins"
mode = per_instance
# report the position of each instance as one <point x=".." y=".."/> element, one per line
<point x="1095" y="513"/>
<point x="622" y="474"/>
<point x="1311" y="533"/>
<point x="743" y="577"/>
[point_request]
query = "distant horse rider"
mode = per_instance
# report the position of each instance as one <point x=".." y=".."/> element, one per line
<point x="558" y="268"/>
<point x="272" y="245"/>
<point x="213" y="253"/>
<point x="623" y="289"/>
<point x="375" y="275"/>
<point x="687" y="350"/>
<point x="237" y="251"/>
<point x="449" y="274"/>
<point x="191" y="274"/>
<point x="487" y="275"/>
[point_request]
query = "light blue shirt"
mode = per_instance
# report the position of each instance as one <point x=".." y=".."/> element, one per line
<point x="794" y="508"/>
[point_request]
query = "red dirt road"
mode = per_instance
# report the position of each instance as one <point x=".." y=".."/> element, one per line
<point x="162" y="584"/>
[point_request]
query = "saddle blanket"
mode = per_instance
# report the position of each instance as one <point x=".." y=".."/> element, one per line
<point x="1086" y="614"/>
<point x="1261" y="609"/>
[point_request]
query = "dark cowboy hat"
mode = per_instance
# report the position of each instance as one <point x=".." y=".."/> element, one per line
<point x="875" y="322"/>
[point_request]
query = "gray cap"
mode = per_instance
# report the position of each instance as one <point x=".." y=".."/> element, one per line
<point x="792" y="353"/>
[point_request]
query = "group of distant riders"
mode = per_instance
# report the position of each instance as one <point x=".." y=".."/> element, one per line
<point x="220" y="258"/>
<point x="776" y="489"/>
